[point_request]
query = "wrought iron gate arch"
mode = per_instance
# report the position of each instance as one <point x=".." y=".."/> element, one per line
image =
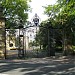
<point x="50" y="52"/>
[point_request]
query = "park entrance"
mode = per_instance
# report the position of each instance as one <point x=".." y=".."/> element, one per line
<point x="26" y="42"/>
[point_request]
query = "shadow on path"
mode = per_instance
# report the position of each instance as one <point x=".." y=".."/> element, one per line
<point x="39" y="66"/>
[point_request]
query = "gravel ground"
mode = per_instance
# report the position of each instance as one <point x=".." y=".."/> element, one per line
<point x="39" y="66"/>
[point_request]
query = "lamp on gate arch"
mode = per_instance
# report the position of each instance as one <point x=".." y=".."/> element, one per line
<point x="36" y="19"/>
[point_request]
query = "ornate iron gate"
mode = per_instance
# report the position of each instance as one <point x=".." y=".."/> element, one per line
<point x="14" y="43"/>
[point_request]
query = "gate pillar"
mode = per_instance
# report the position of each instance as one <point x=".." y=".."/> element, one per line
<point x="2" y="34"/>
<point x="21" y="42"/>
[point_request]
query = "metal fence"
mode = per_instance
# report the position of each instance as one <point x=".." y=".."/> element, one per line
<point x="36" y="53"/>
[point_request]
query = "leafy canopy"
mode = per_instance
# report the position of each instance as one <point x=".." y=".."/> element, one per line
<point x="15" y="11"/>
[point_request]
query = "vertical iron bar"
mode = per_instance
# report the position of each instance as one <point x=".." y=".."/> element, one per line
<point x="19" y="44"/>
<point x="64" y="42"/>
<point x="5" y="45"/>
<point x="48" y="43"/>
<point x="53" y="42"/>
<point x="36" y="40"/>
<point x="23" y="42"/>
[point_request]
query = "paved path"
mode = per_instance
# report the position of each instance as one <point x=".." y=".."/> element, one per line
<point x="39" y="66"/>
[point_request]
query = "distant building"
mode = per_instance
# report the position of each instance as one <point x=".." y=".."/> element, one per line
<point x="26" y="42"/>
<point x="10" y="43"/>
<point x="31" y="33"/>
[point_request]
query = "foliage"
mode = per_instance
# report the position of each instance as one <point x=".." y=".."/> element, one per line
<point x="15" y="11"/>
<point x="34" y="43"/>
<point x="61" y="15"/>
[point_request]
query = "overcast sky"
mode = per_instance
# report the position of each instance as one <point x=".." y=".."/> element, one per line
<point x="36" y="6"/>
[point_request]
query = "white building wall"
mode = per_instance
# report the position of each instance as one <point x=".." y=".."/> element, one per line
<point x="31" y="33"/>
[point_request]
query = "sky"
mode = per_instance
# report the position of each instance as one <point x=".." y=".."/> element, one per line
<point x="36" y="6"/>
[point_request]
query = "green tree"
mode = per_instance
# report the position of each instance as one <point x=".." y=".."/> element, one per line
<point x="63" y="13"/>
<point x="15" y="12"/>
